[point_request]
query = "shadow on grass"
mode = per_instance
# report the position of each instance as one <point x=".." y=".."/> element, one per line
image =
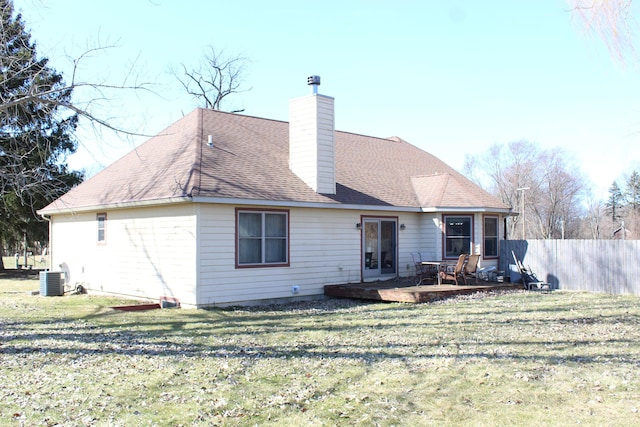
<point x="19" y="274"/>
<point x="129" y="344"/>
<point x="342" y="330"/>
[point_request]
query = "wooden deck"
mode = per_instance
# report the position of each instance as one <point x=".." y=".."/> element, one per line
<point x="399" y="291"/>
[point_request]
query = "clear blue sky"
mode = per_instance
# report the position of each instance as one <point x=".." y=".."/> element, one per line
<point x="452" y="77"/>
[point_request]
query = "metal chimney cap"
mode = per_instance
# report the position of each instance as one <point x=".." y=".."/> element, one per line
<point x="313" y="80"/>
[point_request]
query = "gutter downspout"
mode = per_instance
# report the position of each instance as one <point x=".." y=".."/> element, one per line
<point x="49" y="242"/>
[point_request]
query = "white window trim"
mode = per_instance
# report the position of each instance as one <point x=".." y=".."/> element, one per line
<point x="101" y="219"/>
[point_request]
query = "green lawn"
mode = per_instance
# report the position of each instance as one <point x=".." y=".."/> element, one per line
<point x="544" y="359"/>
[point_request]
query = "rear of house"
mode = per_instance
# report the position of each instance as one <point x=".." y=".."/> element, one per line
<point x="222" y="209"/>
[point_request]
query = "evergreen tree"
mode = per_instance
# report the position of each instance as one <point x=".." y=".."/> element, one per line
<point x="632" y="199"/>
<point x="615" y="202"/>
<point x="35" y="135"/>
<point x="632" y="192"/>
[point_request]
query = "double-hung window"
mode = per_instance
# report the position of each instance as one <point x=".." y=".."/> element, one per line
<point x="101" y="220"/>
<point x="490" y="232"/>
<point x="457" y="238"/>
<point x="262" y="238"/>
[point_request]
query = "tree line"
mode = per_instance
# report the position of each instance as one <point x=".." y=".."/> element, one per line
<point x="551" y="196"/>
<point x="623" y="208"/>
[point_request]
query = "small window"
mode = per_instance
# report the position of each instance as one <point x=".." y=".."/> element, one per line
<point x="457" y="236"/>
<point x="101" y="219"/>
<point x="490" y="236"/>
<point x="263" y="238"/>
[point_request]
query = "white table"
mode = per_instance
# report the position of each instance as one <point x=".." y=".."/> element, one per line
<point x="439" y="267"/>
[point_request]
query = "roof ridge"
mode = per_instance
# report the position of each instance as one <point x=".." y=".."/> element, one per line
<point x="433" y="174"/>
<point x="443" y="190"/>
<point x="390" y="138"/>
<point x="249" y="116"/>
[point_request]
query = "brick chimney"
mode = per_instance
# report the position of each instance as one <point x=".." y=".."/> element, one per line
<point x="312" y="139"/>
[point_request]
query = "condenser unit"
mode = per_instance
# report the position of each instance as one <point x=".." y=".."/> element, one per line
<point x="51" y="284"/>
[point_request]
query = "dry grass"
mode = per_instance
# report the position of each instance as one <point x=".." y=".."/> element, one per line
<point x="509" y="359"/>
<point x="34" y="261"/>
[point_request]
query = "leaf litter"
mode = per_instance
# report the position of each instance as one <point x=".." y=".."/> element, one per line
<point x="338" y="362"/>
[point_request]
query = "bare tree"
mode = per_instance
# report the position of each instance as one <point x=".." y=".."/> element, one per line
<point x="38" y="120"/>
<point x="559" y="191"/>
<point x="611" y="21"/>
<point x="593" y="221"/>
<point x="541" y="185"/>
<point x="505" y="169"/>
<point x="218" y="76"/>
<point x="47" y="96"/>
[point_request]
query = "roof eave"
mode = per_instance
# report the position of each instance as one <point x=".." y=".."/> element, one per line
<point x="272" y="203"/>
<point x="466" y="209"/>
<point x="119" y="205"/>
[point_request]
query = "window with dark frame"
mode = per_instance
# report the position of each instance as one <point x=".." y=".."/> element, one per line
<point x="490" y="232"/>
<point x="457" y="236"/>
<point x="101" y="219"/>
<point x="263" y="238"/>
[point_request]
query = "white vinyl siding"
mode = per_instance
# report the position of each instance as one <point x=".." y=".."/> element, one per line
<point x="188" y="251"/>
<point x="150" y="252"/>
<point x="325" y="248"/>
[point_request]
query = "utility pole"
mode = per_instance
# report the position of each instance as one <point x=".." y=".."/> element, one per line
<point x="523" y="189"/>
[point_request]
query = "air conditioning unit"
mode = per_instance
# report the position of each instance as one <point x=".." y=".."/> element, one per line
<point x="51" y="284"/>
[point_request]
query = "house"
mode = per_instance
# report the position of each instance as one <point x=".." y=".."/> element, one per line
<point x="223" y="209"/>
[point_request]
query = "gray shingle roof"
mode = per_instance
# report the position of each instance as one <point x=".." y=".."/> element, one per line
<point x="250" y="160"/>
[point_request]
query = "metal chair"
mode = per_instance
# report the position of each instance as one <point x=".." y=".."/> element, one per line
<point x="423" y="272"/>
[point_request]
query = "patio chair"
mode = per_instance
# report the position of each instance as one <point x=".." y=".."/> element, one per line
<point x="470" y="270"/>
<point x="423" y="272"/>
<point x="458" y="271"/>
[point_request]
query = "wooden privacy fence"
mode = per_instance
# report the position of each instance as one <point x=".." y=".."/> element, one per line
<point x="611" y="266"/>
